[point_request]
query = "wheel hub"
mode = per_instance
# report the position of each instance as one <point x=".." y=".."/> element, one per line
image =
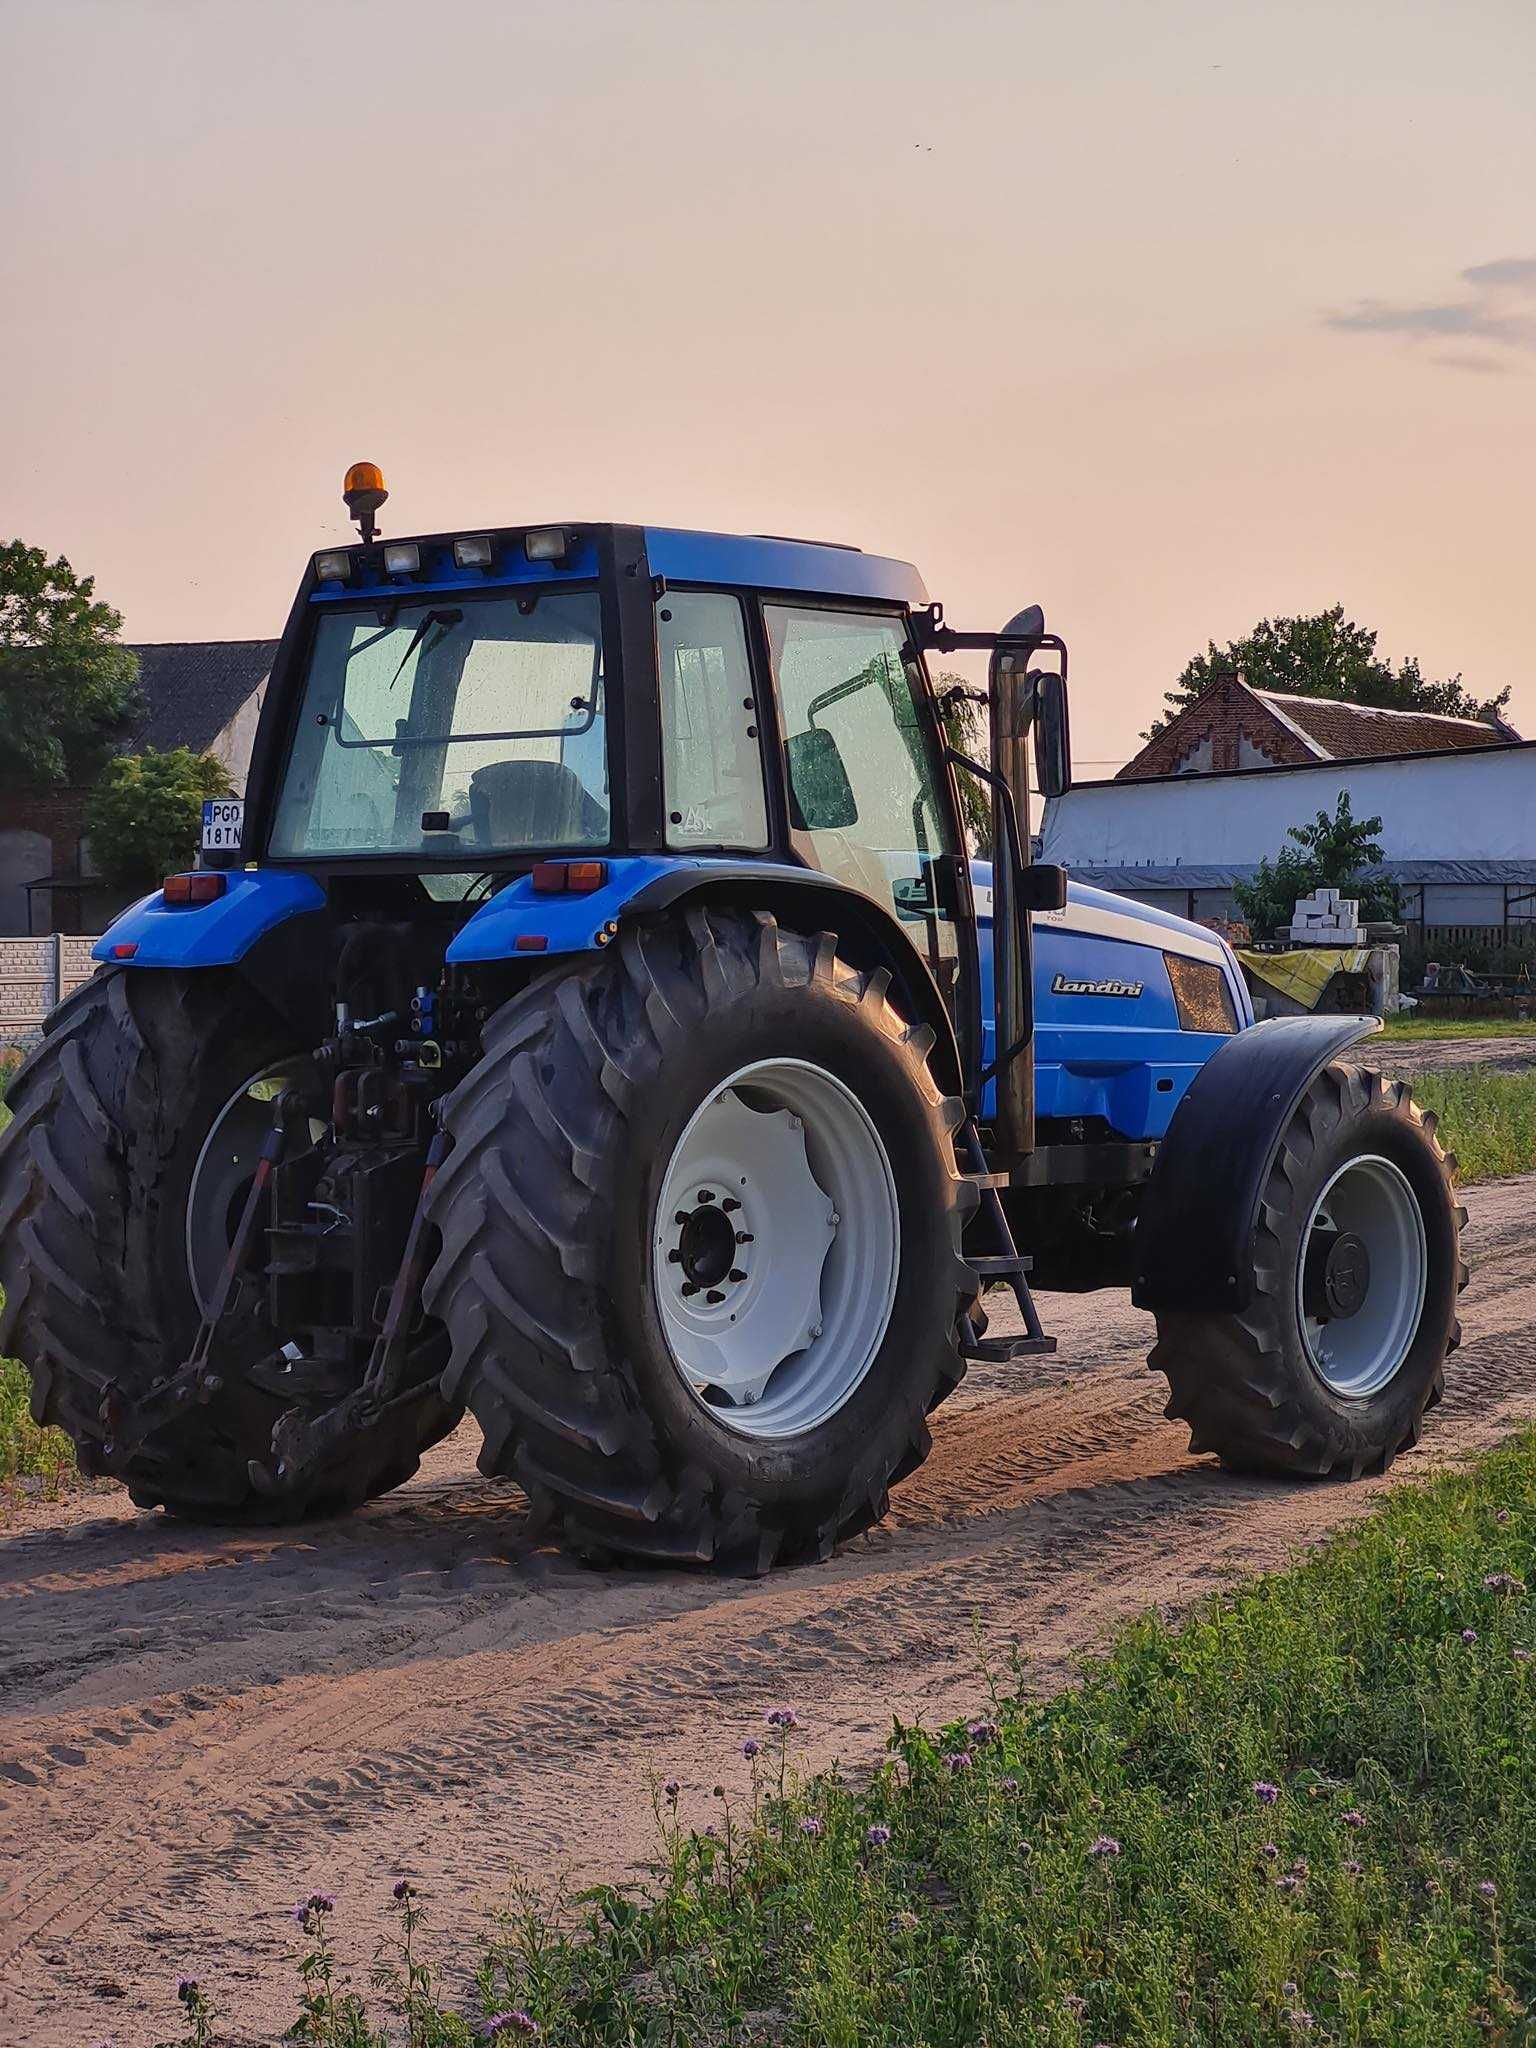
<point x="1338" y="1276"/>
<point x="706" y="1247"/>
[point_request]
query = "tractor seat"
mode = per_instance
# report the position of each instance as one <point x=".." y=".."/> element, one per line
<point x="534" y="803"/>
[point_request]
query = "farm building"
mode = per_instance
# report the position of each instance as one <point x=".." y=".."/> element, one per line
<point x="202" y="694"/>
<point x="1232" y="725"/>
<point x="1458" y="831"/>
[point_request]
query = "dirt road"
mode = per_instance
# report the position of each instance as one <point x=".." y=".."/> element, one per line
<point x="197" y="1728"/>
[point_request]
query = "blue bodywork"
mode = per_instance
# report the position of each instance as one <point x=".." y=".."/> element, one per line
<point x="212" y="934"/>
<point x="1123" y="1058"/>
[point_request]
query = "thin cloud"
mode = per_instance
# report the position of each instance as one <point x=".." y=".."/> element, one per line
<point x="1495" y="315"/>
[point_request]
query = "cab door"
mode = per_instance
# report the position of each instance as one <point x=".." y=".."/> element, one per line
<point x="870" y="797"/>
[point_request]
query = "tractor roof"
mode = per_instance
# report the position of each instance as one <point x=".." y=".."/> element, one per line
<point x="767" y="562"/>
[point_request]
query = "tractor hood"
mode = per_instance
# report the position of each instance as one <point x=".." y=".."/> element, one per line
<point x="1110" y="1040"/>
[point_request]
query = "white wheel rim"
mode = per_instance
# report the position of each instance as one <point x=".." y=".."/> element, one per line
<point x="782" y="1174"/>
<point x="1371" y="1201"/>
<point x="225" y="1166"/>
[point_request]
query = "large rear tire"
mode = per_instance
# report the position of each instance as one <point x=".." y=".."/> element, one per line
<point x="1356" y="1260"/>
<point x="588" y="1278"/>
<point x="110" y="1114"/>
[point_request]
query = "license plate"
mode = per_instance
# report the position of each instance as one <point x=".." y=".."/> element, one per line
<point x="223" y="818"/>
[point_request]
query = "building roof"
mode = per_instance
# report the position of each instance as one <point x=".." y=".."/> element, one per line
<point x="1337" y="731"/>
<point x="193" y="688"/>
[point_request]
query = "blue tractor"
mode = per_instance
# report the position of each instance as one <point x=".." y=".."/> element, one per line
<point x="593" y="1018"/>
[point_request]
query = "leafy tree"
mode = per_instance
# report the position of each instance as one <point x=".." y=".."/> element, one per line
<point x="144" y="814"/>
<point x="65" y="686"/>
<point x="1325" y="656"/>
<point x="1330" y="853"/>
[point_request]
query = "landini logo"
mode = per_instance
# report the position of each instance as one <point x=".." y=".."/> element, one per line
<point x="1064" y="985"/>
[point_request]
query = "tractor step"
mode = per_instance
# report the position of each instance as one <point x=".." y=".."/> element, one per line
<point x="1006" y="1265"/>
<point x="1007" y="1350"/>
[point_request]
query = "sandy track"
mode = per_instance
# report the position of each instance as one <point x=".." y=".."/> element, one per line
<point x="1513" y="1055"/>
<point x="196" y="1727"/>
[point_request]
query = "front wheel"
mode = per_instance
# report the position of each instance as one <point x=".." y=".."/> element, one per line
<point x="1356" y="1267"/>
<point x="701" y="1244"/>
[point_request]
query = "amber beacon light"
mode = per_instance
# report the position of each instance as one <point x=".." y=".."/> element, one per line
<point x="363" y="493"/>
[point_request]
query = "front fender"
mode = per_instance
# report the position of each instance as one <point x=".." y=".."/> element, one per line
<point x="1195" y="1226"/>
<point x="151" y="934"/>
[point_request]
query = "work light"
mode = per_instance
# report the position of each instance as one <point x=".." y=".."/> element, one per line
<point x="335" y="566"/>
<point x="401" y="558"/>
<point x="548" y="544"/>
<point x="473" y="551"/>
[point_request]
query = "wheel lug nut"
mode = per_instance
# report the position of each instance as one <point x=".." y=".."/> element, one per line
<point x="674" y="1258"/>
<point x="681" y="1218"/>
<point x="688" y="1287"/>
<point x="714" y="1295"/>
<point x="729" y="1204"/>
<point x="705" y="1195"/>
<point x="736" y="1274"/>
<point x="745" y="1237"/>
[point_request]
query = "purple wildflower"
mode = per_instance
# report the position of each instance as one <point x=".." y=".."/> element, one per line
<point x="1264" y="1792"/>
<point x="877" y="1836"/>
<point x="1287" y="1884"/>
<point x="1488" y="1888"/>
<point x="1504" y="1582"/>
<point x="1269" y="1851"/>
<point x="1352" y="1869"/>
<point x="1354" y="1818"/>
<point x="1502" y="1515"/>
<point x="321" y="1902"/>
<point x="402" y="1890"/>
<point x="672" y="1788"/>
<point x="187" y="1989"/>
<point x="1289" y="1988"/>
<point x="1299" y="1868"/>
<point x="811" y="1826"/>
<point x="515" y="2022"/>
<point x="958" y="1760"/>
<point x="982" y="1732"/>
<point x="1299" y="2017"/>
<point x="1103" y="1845"/>
<point x="1008" y="1784"/>
<point x="782" y="1717"/>
<point x="1524" y="1656"/>
<point x="1075" y="2004"/>
<point x="1469" y="1635"/>
<point x="1431" y="1885"/>
<point x="750" y="1747"/>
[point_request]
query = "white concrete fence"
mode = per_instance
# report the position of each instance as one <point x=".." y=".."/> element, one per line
<point x="35" y="974"/>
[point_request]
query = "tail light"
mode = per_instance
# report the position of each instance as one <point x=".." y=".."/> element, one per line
<point x="569" y="877"/>
<point x="183" y="891"/>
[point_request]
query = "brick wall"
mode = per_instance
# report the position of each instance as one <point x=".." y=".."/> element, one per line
<point x="1224" y="717"/>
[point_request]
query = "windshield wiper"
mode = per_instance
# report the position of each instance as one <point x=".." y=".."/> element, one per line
<point x="445" y="619"/>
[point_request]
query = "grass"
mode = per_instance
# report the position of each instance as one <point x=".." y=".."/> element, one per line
<point x="1430" y="1028"/>
<point x="26" y="1451"/>
<point x="1488" y="1120"/>
<point x="1307" y="1812"/>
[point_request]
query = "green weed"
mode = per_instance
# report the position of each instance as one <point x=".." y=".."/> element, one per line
<point x="1488" y="1120"/>
<point x="1309" y="1811"/>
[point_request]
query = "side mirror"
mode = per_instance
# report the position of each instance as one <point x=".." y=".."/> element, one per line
<point x="820" y="794"/>
<point x="1053" y="739"/>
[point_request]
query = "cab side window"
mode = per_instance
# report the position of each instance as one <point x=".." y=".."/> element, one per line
<point x="711" y="756"/>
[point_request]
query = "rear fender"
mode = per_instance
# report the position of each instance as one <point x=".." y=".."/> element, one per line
<point x="153" y="934"/>
<point x="1195" y="1225"/>
<point x="643" y="885"/>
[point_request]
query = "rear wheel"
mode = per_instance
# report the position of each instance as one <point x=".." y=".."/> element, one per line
<point x="136" y="1124"/>
<point x="700" y="1244"/>
<point x="1357" y="1264"/>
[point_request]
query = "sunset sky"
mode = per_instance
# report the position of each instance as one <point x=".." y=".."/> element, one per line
<point x="1165" y="315"/>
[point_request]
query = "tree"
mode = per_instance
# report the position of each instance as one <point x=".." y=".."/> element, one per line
<point x="144" y="814"/>
<point x="65" y="685"/>
<point x="1330" y="853"/>
<point x="1325" y="656"/>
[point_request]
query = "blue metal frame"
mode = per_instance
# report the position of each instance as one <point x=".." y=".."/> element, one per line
<point x="762" y="563"/>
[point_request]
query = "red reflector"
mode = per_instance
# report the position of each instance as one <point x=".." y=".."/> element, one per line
<point x="197" y="888"/>
<point x="125" y="952"/>
<point x="580" y="877"/>
<point x="530" y="942"/>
